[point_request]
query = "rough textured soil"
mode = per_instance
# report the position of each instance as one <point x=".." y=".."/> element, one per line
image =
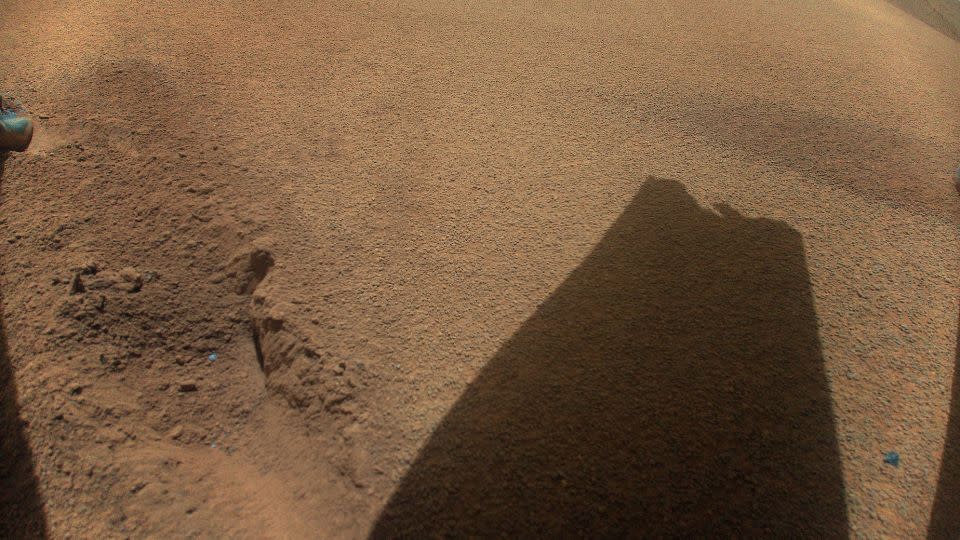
<point x="416" y="268"/>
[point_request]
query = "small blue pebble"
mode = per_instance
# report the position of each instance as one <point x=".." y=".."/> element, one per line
<point x="212" y="357"/>
<point x="892" y="458"/>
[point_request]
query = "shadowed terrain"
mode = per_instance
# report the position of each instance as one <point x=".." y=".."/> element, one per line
<point x="942" y="15"/>
<point x="21" y="509"/>
<point x="945" y="520"/>
<point x="472" y="276"/>
<point x="673" y="385"/>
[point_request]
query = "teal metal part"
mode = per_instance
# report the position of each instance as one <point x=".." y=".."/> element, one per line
<point x="16" y="130"/>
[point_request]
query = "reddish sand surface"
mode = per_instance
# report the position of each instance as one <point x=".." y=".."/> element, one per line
<point x="410" y="268"/>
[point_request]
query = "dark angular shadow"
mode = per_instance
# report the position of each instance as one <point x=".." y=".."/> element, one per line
<point x="941" y="15"/>
<point x="21" y="508"/>
<point x="672" y="386"/>
<point x="945" y="519"/>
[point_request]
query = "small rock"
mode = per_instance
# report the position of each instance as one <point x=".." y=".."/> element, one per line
<point x="102" y="281"/>
<point x="188" y="386"/>
<point x="89" y="268"/>
<point x="109" y="435"/>
<point x="251" y="265"/>
<point x="76" y="284"/>
<point x="132" y="280"/>
<point x="176" y="432"/>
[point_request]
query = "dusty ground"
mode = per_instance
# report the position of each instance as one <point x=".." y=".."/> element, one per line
<point x="480" y="269"/>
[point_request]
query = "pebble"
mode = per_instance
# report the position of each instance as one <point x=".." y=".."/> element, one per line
<point x="188" y="386"/>
<point x="76" y="284"/>
<point x="101" y="282"/>
<point x="132" y="280"/>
